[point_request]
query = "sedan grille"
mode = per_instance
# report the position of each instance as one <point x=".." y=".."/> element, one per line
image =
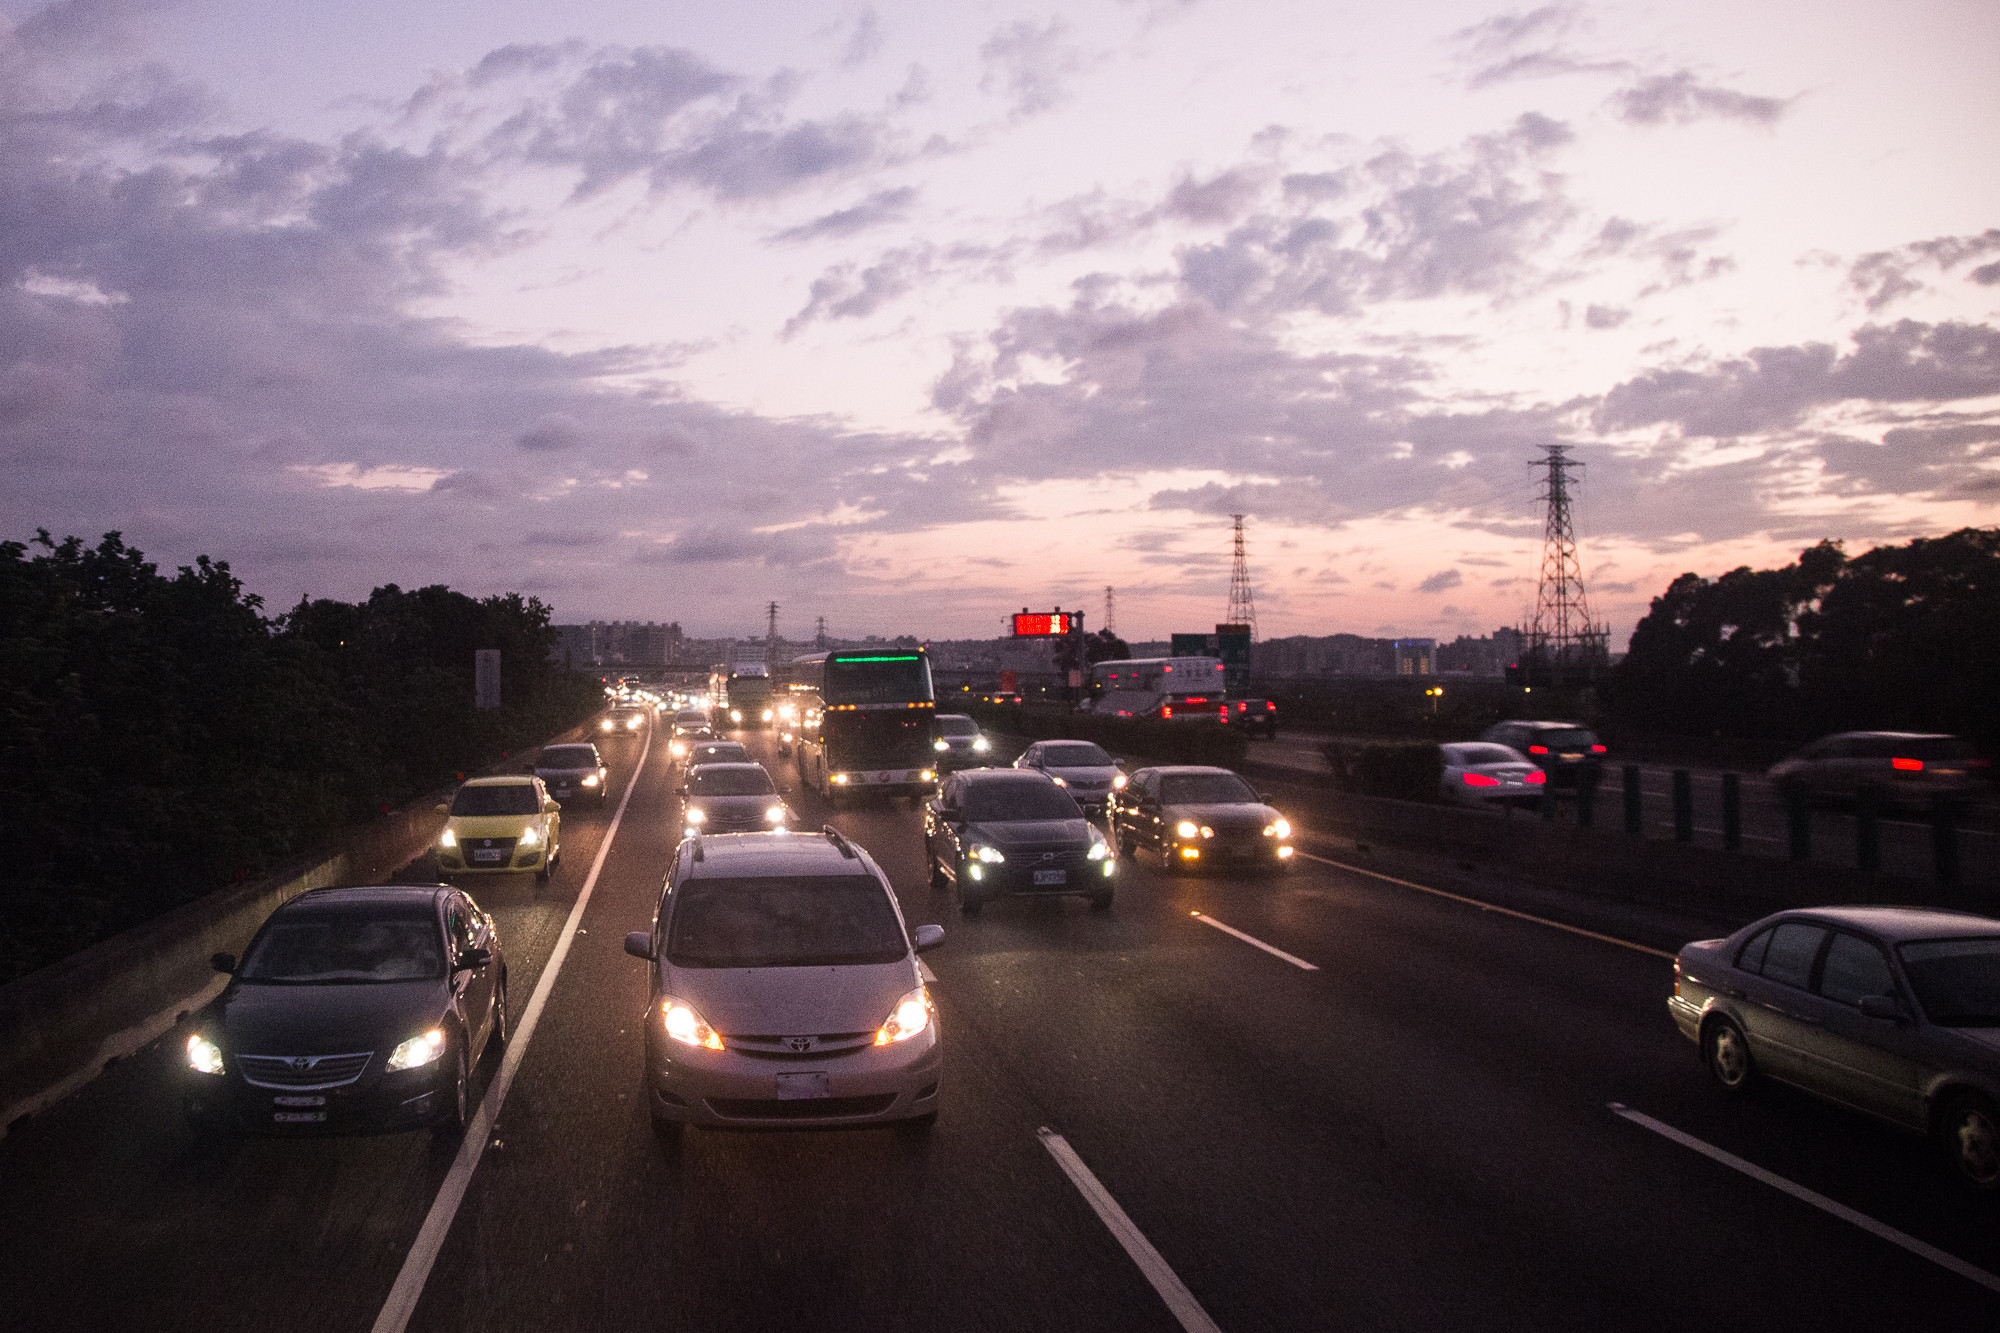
<point x="302" y="1071"/>
<point x="800" y="1047"/>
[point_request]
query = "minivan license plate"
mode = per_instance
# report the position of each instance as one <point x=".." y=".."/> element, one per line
<point x="1052" y="877"/>
<point x="798" y="1087"/>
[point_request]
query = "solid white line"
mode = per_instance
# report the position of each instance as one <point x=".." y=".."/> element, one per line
<point x="1252" y="939"/>
<point x="409" y="1288"/>
<point x="1489" y="907"/>
<point x="1180" y="1301"/>
<point x="1820" y="1201"/>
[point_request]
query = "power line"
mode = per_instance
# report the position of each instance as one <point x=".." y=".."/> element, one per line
<point x="1242" y="604"/>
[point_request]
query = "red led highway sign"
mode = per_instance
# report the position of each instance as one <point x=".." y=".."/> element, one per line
<point x="1041" y="624"/>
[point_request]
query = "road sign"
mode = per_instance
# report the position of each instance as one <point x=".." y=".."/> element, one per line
<point x="1045" y="624"/>
<point x="486" y="677"/>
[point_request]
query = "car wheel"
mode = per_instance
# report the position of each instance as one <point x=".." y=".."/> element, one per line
<point x="1101" y="902"/>
<point x="1727" y="1054"/>
<point x="457" y="1112"/>
<point x="667" y="1131"/>
<point x="500" y="1029"/>
<point x="542" y="875"/>
<point x="938" y="882"/>
<point x="969" y="903"/>
<point x="1969" y="1129"/>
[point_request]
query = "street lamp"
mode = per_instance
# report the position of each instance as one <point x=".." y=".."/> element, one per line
<point x="1435" y="692"/>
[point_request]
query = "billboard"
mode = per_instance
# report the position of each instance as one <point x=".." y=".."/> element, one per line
<point x="1044" y="624"/>
<point x="1231" y="643"/>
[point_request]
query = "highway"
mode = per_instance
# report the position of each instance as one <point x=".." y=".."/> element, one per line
<point x="1413" y="1121"/>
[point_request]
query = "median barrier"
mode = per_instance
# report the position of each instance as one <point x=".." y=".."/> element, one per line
<point x="62" y="1025"/>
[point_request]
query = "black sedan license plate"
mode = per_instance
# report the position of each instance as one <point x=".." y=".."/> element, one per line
<point x="299" y="1117"/>
<point x="1051" y="877"/>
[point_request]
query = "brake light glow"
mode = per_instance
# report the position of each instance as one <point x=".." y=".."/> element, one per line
<point x="1538" y="749"/>
<point x="1907" y="765"/>
<point x="1597" y="749"/>
<point x="1166" y="710"/>
<point x="1270" y="707"/>
<point x="1480" y="780"/>
<point x="1537" y="777"/>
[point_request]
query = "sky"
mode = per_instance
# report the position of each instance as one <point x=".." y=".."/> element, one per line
<point x="910" y="316"/>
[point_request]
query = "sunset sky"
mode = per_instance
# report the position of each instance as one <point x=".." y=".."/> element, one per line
<point x="909" y="315"/>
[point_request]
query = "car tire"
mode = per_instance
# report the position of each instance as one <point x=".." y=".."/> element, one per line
<point x="1726" y="1052"/>
<point x="669" y="1132"/>
<point x="1969" y="1133"/>
<point x="1100" y="902"/>
<point x="500" y="1029"/>
<point x="547" y="868"/>
<point x="456" y="1113"/>
<point x="969" y="904"/>
<point x="938" y="882"/>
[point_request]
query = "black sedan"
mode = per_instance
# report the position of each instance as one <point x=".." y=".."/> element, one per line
<point x="997" y="832"/>
<point x="573" y="772"/>
<point x="1197" y="817"/>
<point x="354" y="1008"/>
<point x="732" y="798"/>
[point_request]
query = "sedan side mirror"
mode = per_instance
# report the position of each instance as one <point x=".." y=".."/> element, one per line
<point x="224" y="963"/>
<point x="928" y="937"/>
<point x="475" y="958"/>
<point x="550" y="806"/>
<point x="1883" y="1006"/>
<point x="640" y="944"/>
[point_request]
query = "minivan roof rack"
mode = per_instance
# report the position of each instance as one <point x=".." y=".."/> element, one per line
<point x="833" y="836"/>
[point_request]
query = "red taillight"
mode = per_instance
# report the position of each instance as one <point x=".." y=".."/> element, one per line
<point x="1166" y="710"/>
<point x="1538" y="776"/>
<point x="1538" y="749"/>
<point x="1243" y="708"/>
<point x="1480" y="780"/>
<point x="1974" y="763"/>
<point x="1270" y="707"/>
<point x="1597" y="749"/>
<point x="1907" y="765"/>
<point x="1225" y="712"/>
<point x="1197" y="699"/>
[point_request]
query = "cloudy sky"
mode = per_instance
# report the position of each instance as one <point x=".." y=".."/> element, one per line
<point x="909" y="314"/>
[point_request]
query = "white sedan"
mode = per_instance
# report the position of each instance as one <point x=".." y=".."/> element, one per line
<point x="1480" y="773"/>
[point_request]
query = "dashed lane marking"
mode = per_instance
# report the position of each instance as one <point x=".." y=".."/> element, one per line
<point x="1489" y="907"/>
<point x="1180" y="1301"/>
<point x="1883" y="1230"/>
<point x="1275" y="952"/>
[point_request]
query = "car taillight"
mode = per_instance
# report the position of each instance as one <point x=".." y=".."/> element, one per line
<point x="1225" y="712"/>
<point x="1480" y="780"/>
<point x="1243" y="708"/>
<point x="1270" y="707"/>
<point x="1907" y="765"/>
<point x="1597" y="749"/>
<point x="1538" y="749"/>
<point x="1538" y="776"/>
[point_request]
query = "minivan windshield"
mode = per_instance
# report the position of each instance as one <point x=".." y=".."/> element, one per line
<point x="330" y="946"/>
<point x="1957" y="981"/>
<point x="1075" y="754"/>
<point x="817" y="922"/>
<point x="731" y="780"/>
<point x="516" y="798"/>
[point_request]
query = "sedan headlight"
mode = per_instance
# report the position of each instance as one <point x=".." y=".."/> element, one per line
<point x="685" y="1025"/>
<point x="735" y="715"/>
<point x="990" y="855"/>
<point x="447" y="839"/>
<point x="530" y="838"/>
<point x="981" y="744"/>
<point x="912" y="1014"/>
<point x="1278" y="828"/>
<point x="1098" y="849"/>
<point x="1060" y="782"/>
<point x="606" y="725"/>
<point x="1187" y="828"/>
<point x="590" y="781"/>
<point x="697" y="815"/>
<point x="1118" y="783"/>
<point x="204" y="1056"/>
<point x="940" y="746"/>
<point x="417" y="1051"/>
<point x="776" y="814"/>
<point x="631" y="724"/>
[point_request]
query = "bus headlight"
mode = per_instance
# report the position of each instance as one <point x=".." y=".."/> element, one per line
<point x="776" y="814"/>
<point x="735" y="715"/>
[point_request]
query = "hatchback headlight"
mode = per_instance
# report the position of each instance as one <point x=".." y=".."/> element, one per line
<point x="912" y="1014"/>
<point x="990" y="855"/>
<point x="684" y="1025"/>
<point x="1187" y="828"/>
<point x="418" y="1051"/>
<point x="1278" y="828"/>
<point x="204" y="1056"/>
<point x="529" y="838"/>
<point x="776" y="814"/>
<point x="447" y="839"/>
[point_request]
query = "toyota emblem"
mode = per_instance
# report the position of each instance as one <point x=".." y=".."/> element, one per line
<point x="799" y="1043"/>
<point x="304" y="1062"/>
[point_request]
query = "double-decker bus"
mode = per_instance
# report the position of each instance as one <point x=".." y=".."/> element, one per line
<point x="739" y="695"/>
<point x="875" y="725"/>
<point x="1175" y="688"/>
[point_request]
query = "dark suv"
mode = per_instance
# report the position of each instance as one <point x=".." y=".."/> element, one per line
<point x="1569" y="752"/>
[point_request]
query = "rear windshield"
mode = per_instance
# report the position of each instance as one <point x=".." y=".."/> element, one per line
<point x="516" y="798"/>
<point x="690" y="718"/>
<point x="1467" y="755"/>
<point x="783" y="923"/>
<point x="957" y="726"/>
<point x="1076" y="754"/>
<point x="353" y="947"/>
<point x="1931" y="749"/>
<point x="729" y="780"/>
<point x="1957" y="981"/>
<point x="569" y="756"/>
<point x="1570" y="738"/>
<point x="1205" y="789"/>
<point x="1003" y="801"/>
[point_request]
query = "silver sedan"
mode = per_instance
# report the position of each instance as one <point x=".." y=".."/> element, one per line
<point x="1483" y="774"/>
<point x="1893" y="1011"/>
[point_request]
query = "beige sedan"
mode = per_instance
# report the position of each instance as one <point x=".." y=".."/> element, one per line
<point x="1892" y="1011"/>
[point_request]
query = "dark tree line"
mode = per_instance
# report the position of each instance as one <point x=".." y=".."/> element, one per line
<point x="161" y="737"/>
<point x="1903" y="638"/>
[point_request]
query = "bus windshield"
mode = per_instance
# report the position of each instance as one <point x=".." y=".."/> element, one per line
<point x="878" y="678"/>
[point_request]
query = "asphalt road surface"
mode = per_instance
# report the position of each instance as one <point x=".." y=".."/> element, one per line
<point x="1420" y="1131"/>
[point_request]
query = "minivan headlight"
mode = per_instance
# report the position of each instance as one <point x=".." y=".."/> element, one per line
<point x="688" y="1027"/>
<point x="418" y="1051"/>
<point x="204" y="1056"/>
<point x="912" y="1014"/>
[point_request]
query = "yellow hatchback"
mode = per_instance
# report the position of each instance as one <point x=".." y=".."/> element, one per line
<point x="501" y="824"/>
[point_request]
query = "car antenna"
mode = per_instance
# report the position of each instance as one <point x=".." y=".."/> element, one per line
<point x="833" y="836"/>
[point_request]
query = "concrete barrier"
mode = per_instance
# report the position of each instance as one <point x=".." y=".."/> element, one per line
<point x="60" y="1026"/>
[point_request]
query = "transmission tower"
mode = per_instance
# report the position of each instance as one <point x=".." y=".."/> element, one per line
<point x="771" y="634"/>
<point x="1562" y="638"/>
<point x="819" y="634"/>
<point x="1242" y="605"/>
<point x="1110" y="612"/>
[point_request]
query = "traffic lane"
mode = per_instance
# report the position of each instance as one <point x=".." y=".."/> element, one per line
<point x="579" y="1217"/>
<point x="1358" y="1146"/>
<point x="119" y="1217"/>
<point x="1616" y="1042"/>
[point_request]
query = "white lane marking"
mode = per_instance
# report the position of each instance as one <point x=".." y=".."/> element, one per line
<point x="1180" y="1301"/>
<point x="1490" y="907"/>
<point x="1820" y="1201"/>
<point x="1293" y="959"/>
<point x="409" y="1288"/>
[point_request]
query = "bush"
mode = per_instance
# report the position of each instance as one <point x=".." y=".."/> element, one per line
<point x="1149" y="739"/>
<point x="1404" y="770"/>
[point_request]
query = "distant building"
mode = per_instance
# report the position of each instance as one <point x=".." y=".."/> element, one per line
<point x="1356" y="655"/>
<point x="1415" y="657"/>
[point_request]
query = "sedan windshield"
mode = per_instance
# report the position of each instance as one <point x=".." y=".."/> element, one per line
<point x="1206" y="789"/>
<point x="516" y="798"/>
<point x="569" y="756"/>
<point x="731" y="780"/>
<point x="949" y="725"/>
<point x="1957" y="981"/>
<point x="350" y="947"/>
<point x="1002" y="802"/>
<point x="1075" y="754"/>
<point x="822" y="922"/>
